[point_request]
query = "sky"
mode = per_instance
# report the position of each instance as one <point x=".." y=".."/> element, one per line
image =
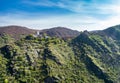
<point x="74" y="14"/>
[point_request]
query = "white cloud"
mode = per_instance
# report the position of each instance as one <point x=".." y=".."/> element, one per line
<point x="75" y="22"/>
<point x="83" y="18"/>
<point x="80" y="6"/>
<point x="71" y="21"/>
<point x="46" y="3"/>
<point x="115" y="20"/>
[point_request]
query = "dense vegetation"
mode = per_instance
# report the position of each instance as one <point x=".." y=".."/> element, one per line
<point x="91" y="57"/>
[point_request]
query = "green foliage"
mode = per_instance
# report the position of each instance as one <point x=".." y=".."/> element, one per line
<point x="29" y="37"/>
<point x="3" y="68"/>
<point x="5" y="39"/>
<point x="6" y="81"/>
<point x="86" y="59"/>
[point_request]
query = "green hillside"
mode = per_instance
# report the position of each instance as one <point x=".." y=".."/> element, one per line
<point x="92" y="57"/>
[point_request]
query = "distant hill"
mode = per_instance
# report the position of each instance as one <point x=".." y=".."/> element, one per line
<point x="61" y="32"/>
<point x="113" y="32"/>
<point x="16" y="31"/>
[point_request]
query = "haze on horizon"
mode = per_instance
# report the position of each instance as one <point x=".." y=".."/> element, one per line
<point x="75" y="14"/>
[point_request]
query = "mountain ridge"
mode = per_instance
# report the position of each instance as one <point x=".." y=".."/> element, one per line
<point x="60" y="32"/>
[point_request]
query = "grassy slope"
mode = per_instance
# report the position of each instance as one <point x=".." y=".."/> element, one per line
<point x="100" y="54"/>
<point x="86" y="59"/>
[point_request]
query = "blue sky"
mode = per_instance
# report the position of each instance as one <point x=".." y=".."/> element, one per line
<point x="75" y="14"/>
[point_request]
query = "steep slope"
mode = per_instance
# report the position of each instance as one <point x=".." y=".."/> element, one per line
<point x="101" y="55"/>
<point x="15" y="31"/>
<point x="61" y="32"/>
